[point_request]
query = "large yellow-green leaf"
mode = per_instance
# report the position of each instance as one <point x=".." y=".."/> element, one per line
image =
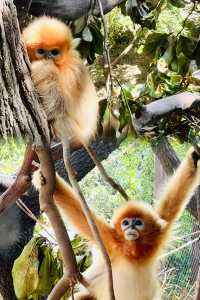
<point x="25" y="270"/>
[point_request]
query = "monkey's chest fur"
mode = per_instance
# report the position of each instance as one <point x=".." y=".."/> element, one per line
<point x="68" y="98"/>
<point x="131" y="282"/>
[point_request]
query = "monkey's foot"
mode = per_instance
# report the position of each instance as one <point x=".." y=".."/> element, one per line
<point x="38" y="179"/>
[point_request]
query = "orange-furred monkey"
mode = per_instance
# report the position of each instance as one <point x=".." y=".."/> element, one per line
<point x="136" y="237"/>
<point x="66" y="91"/>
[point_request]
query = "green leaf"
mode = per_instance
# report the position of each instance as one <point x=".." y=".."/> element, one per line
<point x="79" y="24"/>
<point x="45" y="282"/>
<point x="25" y="270"/>
<point x="152" y="40"/>
<point x="87" y="34"/>
<point x="131" y="91"/>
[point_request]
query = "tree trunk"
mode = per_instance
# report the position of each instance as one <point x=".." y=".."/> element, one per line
<point x="20" y="114"/>
<point x="160" y="178"/>
<point x="169" y="161"/>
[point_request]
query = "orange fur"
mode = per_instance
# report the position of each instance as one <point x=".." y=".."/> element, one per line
<point x="66" y="91"/>
<point x="134" y="263"/>
<point x="73" y="210"/>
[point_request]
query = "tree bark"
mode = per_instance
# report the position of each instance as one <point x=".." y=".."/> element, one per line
<point x="66" y="9"/>
<point x="166" y="113"/>
<point x="20" y="114"/>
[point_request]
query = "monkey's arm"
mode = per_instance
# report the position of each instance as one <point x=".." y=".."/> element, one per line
<point x="180" y="187"/>
<point x="69" y="205"/>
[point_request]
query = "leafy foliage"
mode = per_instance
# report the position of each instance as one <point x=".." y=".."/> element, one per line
<point x="11" y="155"/>
<point x="41" y="267"/>
<point x="88" y="30"/>
<point x="168" y="39"/>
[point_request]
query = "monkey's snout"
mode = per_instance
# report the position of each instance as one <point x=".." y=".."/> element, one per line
<point x="131" y="234"/>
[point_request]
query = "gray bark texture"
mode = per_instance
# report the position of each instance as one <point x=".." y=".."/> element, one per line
<point x="20" y="113"/>
<point x="65" y="9"/>
<point x="166" y="113"/>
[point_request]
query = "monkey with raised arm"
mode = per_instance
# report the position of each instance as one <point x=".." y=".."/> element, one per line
<point x="136" y="238"/>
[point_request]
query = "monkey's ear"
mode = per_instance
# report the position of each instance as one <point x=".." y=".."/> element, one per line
<point x="75" y="42"/>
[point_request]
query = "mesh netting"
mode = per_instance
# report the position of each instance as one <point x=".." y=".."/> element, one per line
<point x="179" y="270"/>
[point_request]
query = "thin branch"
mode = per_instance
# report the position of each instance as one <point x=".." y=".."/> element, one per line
<point x="31" y="215"/>
<point x="104" y="174"/>
<point x="22" y="181"/>
<point x="71" y="273"/>
<point x="88" y="215"/>
<point x="123" y="53"/>
<point x="106" y="48"/>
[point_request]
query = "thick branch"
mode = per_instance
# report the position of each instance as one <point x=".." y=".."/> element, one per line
<point x="159" y="113"/>
<point x="68" y="9"/>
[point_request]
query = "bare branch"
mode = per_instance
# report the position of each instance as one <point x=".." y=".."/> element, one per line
<point x="88" y="215"/>
<point x="71" y="273"/>
<point x="104" y="174"/>
<point x="149" y="118"/>
<point x="123" y="53"/>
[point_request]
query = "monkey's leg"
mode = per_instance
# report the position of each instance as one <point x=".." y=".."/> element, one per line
<point x="104" y="174"/>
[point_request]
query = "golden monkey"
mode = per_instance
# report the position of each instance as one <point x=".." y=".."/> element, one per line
<point x="67" y="93"/>
<point x="136" y="238"/>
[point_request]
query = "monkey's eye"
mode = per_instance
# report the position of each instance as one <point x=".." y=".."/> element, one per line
<point x="55" y="52"/>
<point x="40" y="52"/>
<point x="125" y="222"/>
<point x="139" y="223"/>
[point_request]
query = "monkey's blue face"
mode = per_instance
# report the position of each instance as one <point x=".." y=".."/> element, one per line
<point x="131" y="228"/>
<point x="43" y="53"/>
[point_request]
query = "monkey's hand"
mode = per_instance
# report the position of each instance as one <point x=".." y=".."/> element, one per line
<point x="44" y="70"/>
<point x="193" y="156"/>
<point x="46" y="80"/>
<point x="38" y="180"/>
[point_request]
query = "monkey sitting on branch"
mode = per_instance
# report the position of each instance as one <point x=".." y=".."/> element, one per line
<point x="136" y="238"/>
<point x="67" y="93"/>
